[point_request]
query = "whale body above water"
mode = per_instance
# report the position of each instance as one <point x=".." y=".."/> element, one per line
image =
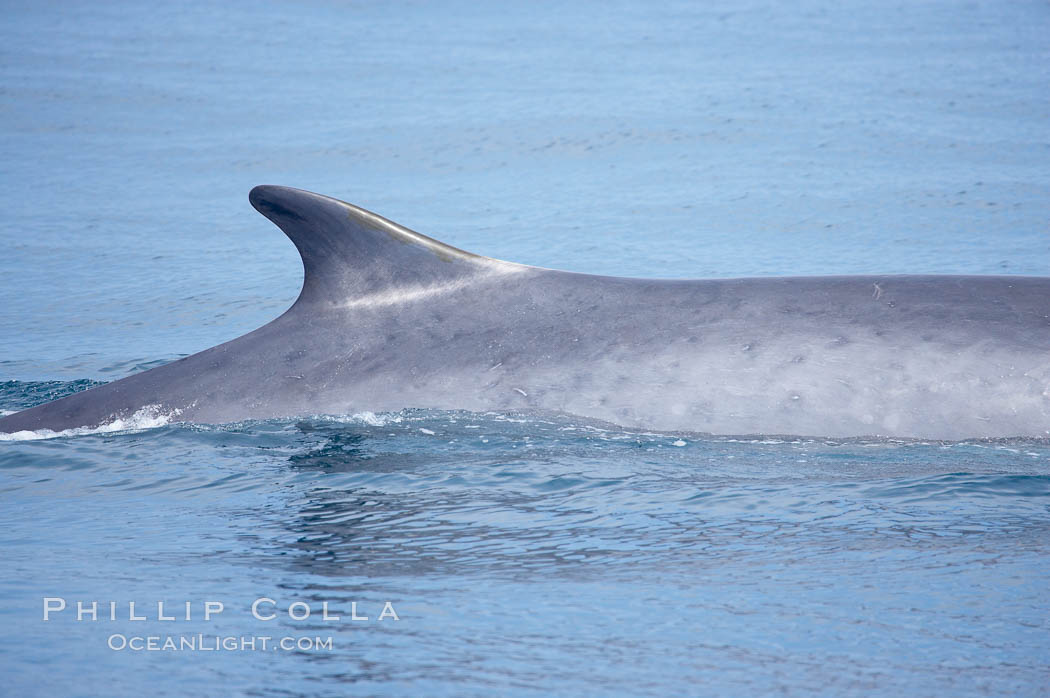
<point x="389" y="319"/>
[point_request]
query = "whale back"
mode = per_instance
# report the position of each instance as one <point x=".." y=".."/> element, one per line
<point x="388" y="319"/>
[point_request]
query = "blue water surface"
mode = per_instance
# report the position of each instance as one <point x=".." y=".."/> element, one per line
<point x="522" y="554"/>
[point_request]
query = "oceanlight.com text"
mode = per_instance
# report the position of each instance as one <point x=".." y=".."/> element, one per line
<point x="217" y="643"/>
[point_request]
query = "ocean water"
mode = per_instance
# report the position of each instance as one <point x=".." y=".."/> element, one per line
<point x="507" y="554"/>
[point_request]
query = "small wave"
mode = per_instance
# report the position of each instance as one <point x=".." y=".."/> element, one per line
<point x="148" y="417"/>
<point x="20" y="395"/>
<point x="369" y="418"/>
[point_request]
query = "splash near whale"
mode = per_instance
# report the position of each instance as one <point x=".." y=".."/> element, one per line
<point x="389" y="319"/>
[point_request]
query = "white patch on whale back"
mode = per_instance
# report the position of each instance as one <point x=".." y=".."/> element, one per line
<point x="418" y="292"/>
<point x="867" y="386"/>
<point x="148" y="417"/>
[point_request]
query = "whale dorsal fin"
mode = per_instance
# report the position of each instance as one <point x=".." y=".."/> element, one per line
<point x="349" y="253"/>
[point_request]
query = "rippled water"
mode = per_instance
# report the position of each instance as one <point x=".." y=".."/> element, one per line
<point x="528" y="555"/>
<point x="523" y="554"/>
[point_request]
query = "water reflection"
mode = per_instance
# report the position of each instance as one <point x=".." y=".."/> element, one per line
<point x="405" y="500"/>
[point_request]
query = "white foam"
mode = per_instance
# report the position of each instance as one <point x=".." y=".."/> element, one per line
<point x="148" y="417"/>
<point x="370" y="418"/>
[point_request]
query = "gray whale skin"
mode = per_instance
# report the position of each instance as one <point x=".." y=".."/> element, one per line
<point x="390" y="319"/>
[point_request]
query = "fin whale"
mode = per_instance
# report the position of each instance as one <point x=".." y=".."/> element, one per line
<point x="390" y="319"/>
